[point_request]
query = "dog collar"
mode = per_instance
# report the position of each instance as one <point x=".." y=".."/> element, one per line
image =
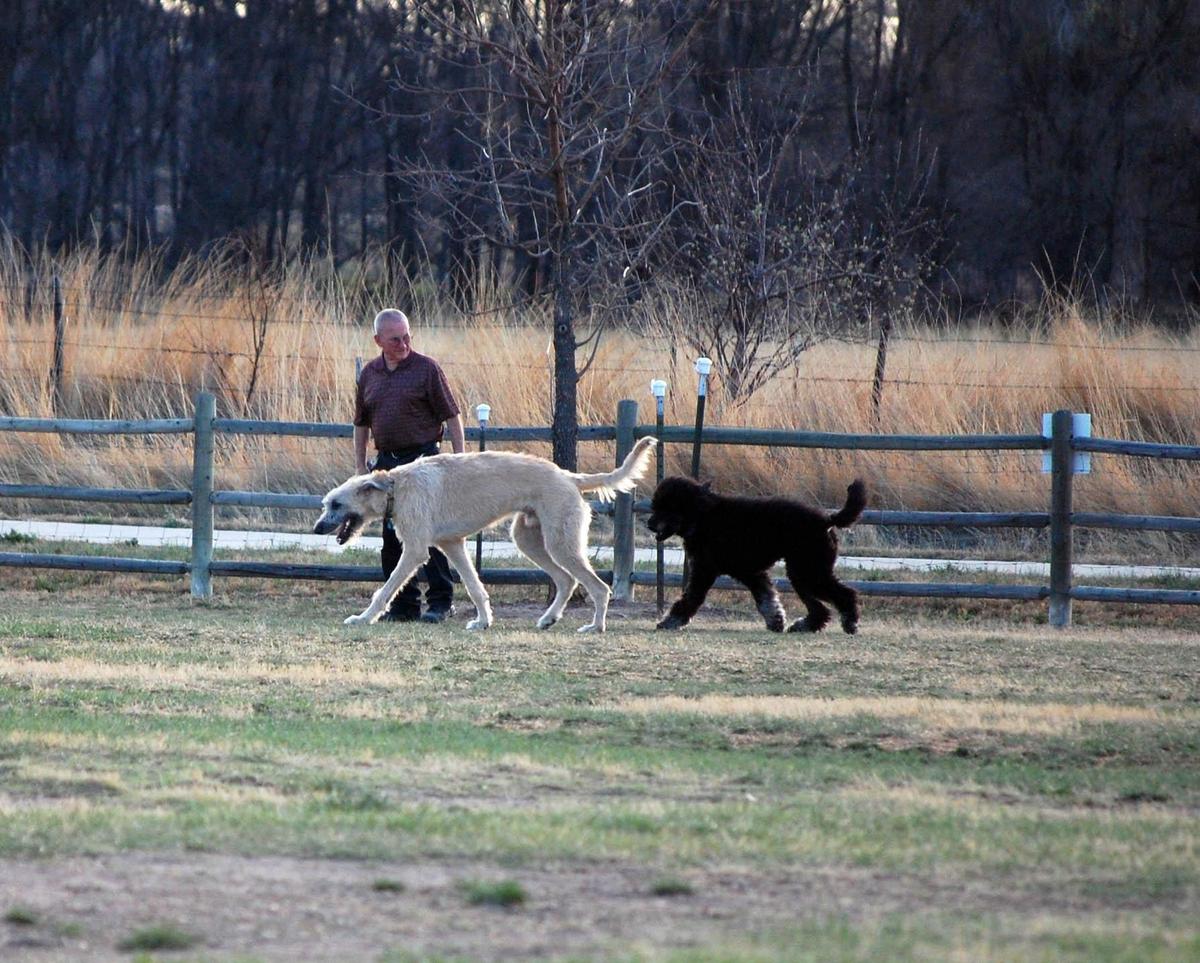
<point x="391" y="504"/>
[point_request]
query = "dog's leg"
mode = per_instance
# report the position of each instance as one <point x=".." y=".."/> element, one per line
<point x="767" y="600"/>
<point x="411" y="559"/>
<point x="597" y="591"/>
<point x="565" y="537"/>
<point x="844" y="598"/>
<point x="800" y="573"/>
<point x="528" y="537"/>
<point x="456" y="551"/>
<point x="700" y="580"/>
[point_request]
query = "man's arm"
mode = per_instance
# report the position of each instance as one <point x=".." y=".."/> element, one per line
<point x="458" y="439"/>
<point x="360" y="449"/>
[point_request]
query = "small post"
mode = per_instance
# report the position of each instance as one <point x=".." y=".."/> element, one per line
<point x="703" y="367"/>
<point x="658" y="388"/>
<point x="623" y="509"/>
<point x="202" y="486"/>
<point x="1060" y="518"/>
<point x="482" y="413"/>
<point x="56" y="370"/>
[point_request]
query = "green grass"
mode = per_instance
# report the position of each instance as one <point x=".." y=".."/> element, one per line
<point x="505" y="893"/>
<point x="1037" y="790"/>
<point x="160" y="936"/>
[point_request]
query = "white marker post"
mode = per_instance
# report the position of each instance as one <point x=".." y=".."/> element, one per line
<point x="658" y="388"/>
<point x="482" y="413"/>
<point x="703" y="367"/>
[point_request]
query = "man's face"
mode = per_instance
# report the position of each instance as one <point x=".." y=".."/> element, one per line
<point x="395" y="340"/>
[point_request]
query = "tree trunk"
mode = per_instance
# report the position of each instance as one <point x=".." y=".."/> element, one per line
<point x="565" y="425"/>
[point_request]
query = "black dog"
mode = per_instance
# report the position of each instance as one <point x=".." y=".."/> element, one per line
<point x="743" y="537"/>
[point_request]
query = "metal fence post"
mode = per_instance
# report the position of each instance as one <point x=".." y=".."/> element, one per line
<point x="658" y="388"/>
<point x="202" y="487"/>
<point x="622" y="581"/>
<point x="482" y="413"/>
<point x="1062" y="472"/>
<point x="703" y="367"/>
<point x="57" y="365"/>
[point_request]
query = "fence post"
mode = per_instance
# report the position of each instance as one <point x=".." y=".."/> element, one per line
<point x="622" y="581"/>
<point x="482" y="413"/>
<point x="703" y="367"/>
<point x="1061" y="477"/>
<point x="56" y="370"/>
<point x="658" y="388"/>
<point x="202" y="486"/>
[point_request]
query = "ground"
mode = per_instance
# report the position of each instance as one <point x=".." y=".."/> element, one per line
<point x="953" y="783"/>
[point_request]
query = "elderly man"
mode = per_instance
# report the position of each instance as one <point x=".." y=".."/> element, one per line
<point x="405" y="405"/>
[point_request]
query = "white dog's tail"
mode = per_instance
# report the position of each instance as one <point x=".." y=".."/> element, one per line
<point x="623" y="478"/>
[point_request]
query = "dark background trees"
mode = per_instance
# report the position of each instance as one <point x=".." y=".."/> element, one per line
<point x="1050" y="139"/>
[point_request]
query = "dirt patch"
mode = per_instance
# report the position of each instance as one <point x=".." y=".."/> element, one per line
<point x="280" y="908"/>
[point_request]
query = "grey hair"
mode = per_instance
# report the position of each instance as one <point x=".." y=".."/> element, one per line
<point x="389" y="314"/>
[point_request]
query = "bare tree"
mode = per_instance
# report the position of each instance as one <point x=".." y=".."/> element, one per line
<point x="561" y="108"/>
<point x="777" y="255"/>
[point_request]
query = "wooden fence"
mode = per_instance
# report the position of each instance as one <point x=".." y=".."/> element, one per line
<point x="1060" y="518"/>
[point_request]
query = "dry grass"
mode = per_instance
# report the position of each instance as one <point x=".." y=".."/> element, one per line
<point x="141" y="342"/>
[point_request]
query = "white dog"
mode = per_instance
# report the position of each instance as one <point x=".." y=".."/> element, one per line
<point x="444" y="499"/>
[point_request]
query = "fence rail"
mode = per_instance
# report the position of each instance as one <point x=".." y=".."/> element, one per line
<point x="1060" y="518"/>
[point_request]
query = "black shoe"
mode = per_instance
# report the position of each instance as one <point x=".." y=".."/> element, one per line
<point x="434" y="616"/>
<point x="400" y="615"/>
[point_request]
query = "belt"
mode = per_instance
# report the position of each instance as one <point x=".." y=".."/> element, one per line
<point x="405" y="452"/>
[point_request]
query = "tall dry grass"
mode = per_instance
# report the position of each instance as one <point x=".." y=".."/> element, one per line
<point x="141" y="341"/>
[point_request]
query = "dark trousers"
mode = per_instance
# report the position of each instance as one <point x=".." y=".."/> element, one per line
<point x="435" y="572"/>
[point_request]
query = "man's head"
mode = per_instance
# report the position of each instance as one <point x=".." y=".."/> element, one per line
<point x="393" y="335"/>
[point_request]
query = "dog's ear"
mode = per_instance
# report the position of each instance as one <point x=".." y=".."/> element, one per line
<point x="377" y="480"/>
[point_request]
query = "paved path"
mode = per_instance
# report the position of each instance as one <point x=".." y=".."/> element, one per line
<point x="151" y="535"/>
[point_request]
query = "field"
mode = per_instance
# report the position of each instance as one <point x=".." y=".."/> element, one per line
<point x="247" y="779"/>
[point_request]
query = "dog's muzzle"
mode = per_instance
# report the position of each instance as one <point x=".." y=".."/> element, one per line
<point x="342" y="529"/>
<point x="659" y="528"/>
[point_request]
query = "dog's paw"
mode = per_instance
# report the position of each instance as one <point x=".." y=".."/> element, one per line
<point x="478" y="625"/>
<point x="802" y="625"/>
<point x="546" y="621"/>
<point x="360" y="619"/>
<point x="671" y="622"/>
<point x="849" y="626"/>
<point x="589" y="628"/>
<point x="775" y="622"/>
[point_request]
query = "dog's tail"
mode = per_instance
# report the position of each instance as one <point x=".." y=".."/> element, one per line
<point x="624" y="477"/>
<point x="856" y="501"/>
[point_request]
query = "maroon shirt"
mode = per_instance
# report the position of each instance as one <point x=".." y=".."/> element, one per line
<point x="405" y="407"/>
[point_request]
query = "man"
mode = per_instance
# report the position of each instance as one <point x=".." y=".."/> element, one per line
<point x="404" y="403"/>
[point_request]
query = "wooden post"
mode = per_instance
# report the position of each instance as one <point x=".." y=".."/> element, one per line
<point x="202" y="488"/>
<point x="623" y="508"/>
<point x="1061" y="477"/>
<point x="56" y="369"/>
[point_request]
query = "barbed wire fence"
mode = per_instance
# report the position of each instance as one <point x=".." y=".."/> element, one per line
<point x="64" y="327"/>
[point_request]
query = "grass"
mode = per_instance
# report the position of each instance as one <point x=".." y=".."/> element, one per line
<point x="1022" y="793"/>
<point x="505" y="893"/>
<point x="671" y="886"/>
<point x="160" y="936"/>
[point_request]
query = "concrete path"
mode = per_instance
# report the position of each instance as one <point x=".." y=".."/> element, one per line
<point x="672" y="555"/>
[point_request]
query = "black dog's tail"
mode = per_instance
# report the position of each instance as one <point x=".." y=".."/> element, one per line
<point x="856" y="501"/>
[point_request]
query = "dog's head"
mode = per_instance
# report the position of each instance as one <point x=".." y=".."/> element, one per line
<point x="677" y="507"/>
<point x="347" y="509"/>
